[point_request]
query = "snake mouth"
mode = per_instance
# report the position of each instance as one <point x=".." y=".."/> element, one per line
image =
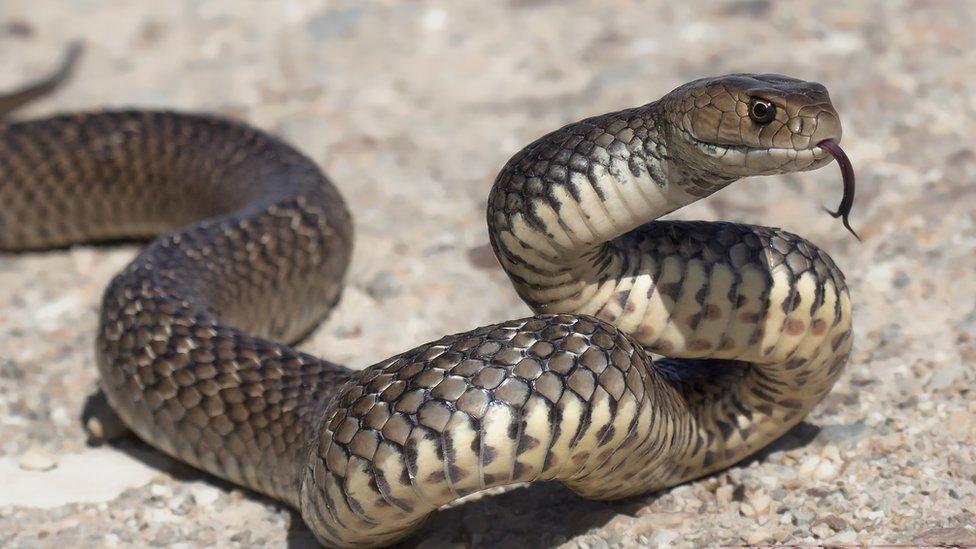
<point x="807" y="158"/>
<point x="800" y="159"/>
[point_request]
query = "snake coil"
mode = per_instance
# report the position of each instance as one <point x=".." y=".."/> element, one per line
<point x="193" y="339"/>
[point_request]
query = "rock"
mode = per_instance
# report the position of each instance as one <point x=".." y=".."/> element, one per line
<point x="961" y="422"/>
<point x="755" y="536"/>
<point x="943" y="378"/>
<point x="203" y="493"/>
<point x="821" y="530"/>
<point x="10" y="370"/>
<point x="182" y="503"/>
<point x="757" y="505"/>
<point x="36" y="459"/>
<point x="831" y="453"/>
<point x="662" y="538"/>
<point x="957" y="536"/>
<point x="382" y="286"/>
<point x="95" y="475"/>
<point x="826" y="470"/>
<point x="646" y="524"/>
<point x="847" y="537"/>
<point x="760" y="502"/>
<point x="723" y="494"/>
<point x="803" y="516"/>
<point x="160" y="491"/>
<point x="845" y="434"/>
<point x="836" y="523"/>
<point x="808" y="467"/>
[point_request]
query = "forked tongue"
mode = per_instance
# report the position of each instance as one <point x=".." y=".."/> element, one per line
<point x="847" y="172"/>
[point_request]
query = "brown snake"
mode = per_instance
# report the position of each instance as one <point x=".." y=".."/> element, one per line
<point x="756" y="321"/>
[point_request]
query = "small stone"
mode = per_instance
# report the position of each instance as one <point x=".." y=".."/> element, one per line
<point x="204" y="494"/>
<point x="662" y="538"/>
<point x="836" y="523"/>
<point x="832" y="453"/>
<point x="160" y="491"/>
<point x="345" y="332"/>
<point x="646" y="524"/>
<point x="808" y="467"/>
<point x="724" y="493"/>
<point x="943" y="378"/>
<point x="821" y="530"/>
<point x="960" y="422"/>
<point x="182" y="503"/>
<point x="36" y="459"/>
<point x="846" y="537"/>
<point x="761" y="503"/>
<point x="382" y="286"/>
<point x="59" y="416"/>
<point x="10" y="370"/>
<point x="826" y="470"/>
<point x="755" y="536"/>
<point x="946" y="537"/>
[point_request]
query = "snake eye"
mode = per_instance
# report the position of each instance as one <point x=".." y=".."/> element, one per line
<point x="762" y="111"/>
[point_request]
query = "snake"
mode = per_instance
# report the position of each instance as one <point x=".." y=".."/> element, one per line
<point x="659" y="351"/>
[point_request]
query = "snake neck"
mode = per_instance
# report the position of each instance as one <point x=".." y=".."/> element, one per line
<point x="562" y="211"/>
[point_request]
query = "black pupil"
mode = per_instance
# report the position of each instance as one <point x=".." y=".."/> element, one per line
<point x="761" y="111"/>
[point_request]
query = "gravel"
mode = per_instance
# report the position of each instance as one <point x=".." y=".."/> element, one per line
<point x="412" y="108"/>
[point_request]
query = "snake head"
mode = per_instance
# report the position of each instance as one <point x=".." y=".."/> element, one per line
<point x="751" y="124"/>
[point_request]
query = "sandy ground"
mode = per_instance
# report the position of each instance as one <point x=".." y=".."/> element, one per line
<point x="412" y="107"/>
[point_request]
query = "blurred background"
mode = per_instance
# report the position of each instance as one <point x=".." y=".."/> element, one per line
<point x="412" y="107"/>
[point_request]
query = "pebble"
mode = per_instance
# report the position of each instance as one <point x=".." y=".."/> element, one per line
<point x="160" y="491"/>
<point x="803" y="516"/>
<point x="821" y="530"/>
<point x="959" y="536"/>
<point x="10" y="370"/>
<point x="826" y="470"/>
<point x="846" y="537"/>
<point x="808" y="467"/>
<point x="817" y="468"/>
<point x="755" y="536"/>
<point x="37" y="459"/>
<point x="723" y="494"/>
<point x="204" y="494"/>
<point x="662" y="538"/>
<point x="382" y="286"/>
<point x="182" y="503"/>
<point x="757" y="505"/>
<point x="835" y="522"/>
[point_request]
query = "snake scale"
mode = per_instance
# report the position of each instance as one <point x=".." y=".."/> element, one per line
<point x="193" y="344"/>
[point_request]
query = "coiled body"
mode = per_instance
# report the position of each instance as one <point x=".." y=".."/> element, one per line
<point x="193" y="352"/>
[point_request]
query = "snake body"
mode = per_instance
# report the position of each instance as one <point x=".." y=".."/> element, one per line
<point x="193" y="339"/>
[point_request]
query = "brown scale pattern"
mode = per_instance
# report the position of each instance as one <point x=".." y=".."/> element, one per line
<point x="422" y="396"/>
<point x="193" y="352"/>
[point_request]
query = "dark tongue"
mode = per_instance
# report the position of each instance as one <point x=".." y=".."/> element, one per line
<point x="847" y="171"/>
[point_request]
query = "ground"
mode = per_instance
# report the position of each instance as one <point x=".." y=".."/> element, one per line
<point x="412" y="108"/>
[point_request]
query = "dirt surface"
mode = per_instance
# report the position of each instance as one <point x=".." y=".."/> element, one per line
<point x="412" y="108"/>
